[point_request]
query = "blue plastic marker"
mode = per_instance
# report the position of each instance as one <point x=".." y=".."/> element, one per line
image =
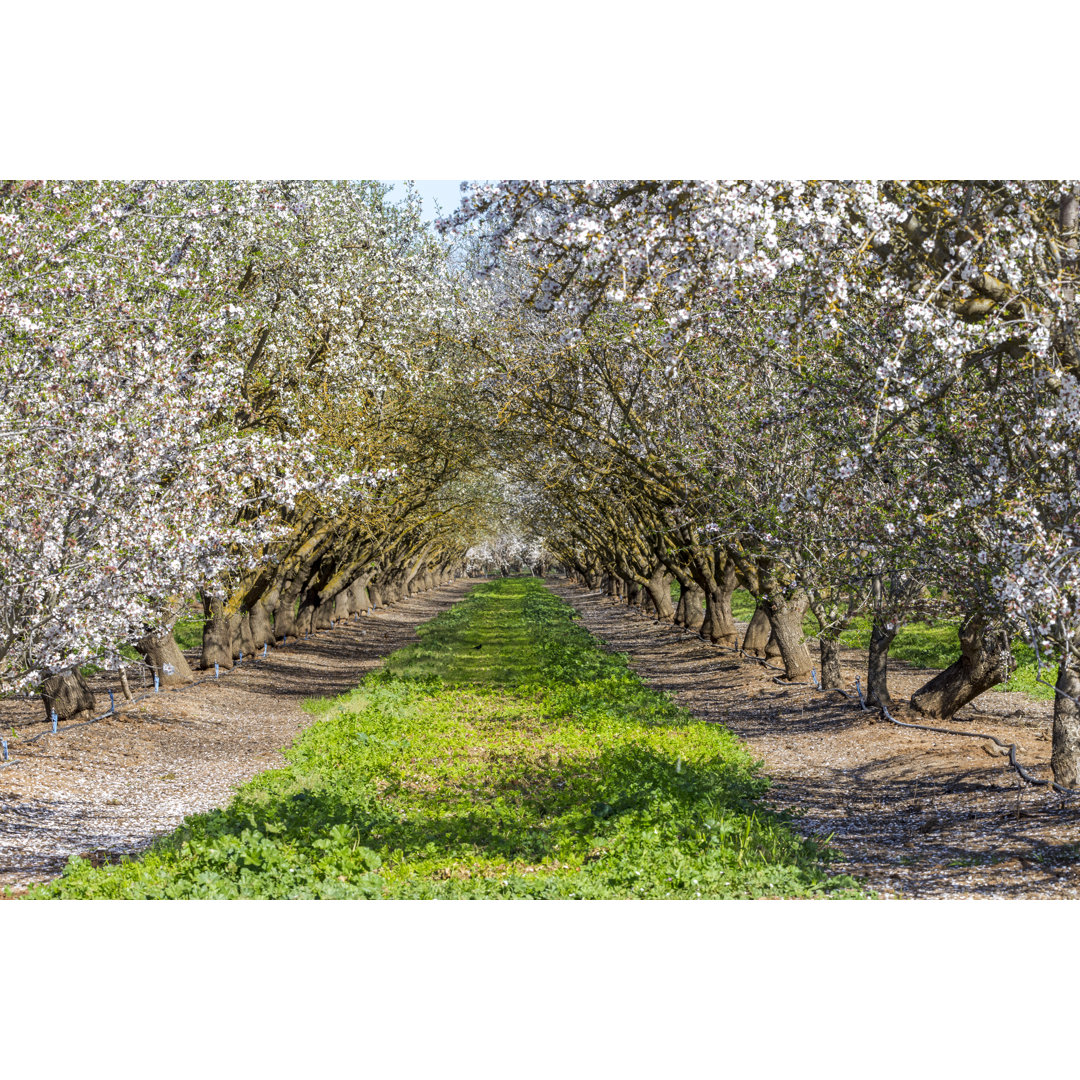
<point x="54" y="719"/>
<point x="241" y="660"/>
<point x="217" y="672"/>
<point x="112" y="702"/>
<point x="156" y="684"/>
<point x="264" y="650"/>
<point x="3" y="743"/>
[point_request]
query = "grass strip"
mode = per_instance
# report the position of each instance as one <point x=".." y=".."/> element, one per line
<point x="504" y="754"/>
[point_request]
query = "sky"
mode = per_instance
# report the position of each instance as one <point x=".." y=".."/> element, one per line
<point x="447" y="192"/>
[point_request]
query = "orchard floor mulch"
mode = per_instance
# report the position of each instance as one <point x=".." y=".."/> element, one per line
<point x="913" y="814"/>
<point x="112" y="787"/>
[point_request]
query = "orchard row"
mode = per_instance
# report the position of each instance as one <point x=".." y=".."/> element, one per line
<point x="860" y="399"/>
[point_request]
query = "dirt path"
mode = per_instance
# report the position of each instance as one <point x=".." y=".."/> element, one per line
<point x="112" y="787"/>
<point x="912" y="813"/>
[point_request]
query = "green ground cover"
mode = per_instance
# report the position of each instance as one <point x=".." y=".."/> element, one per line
<point x="504" y="754"/>
<point x="189" y="632"/>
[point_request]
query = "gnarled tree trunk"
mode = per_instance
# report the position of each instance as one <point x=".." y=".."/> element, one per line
<point x="786" y="616"/>
<point x="659" y="590"/>
<point x="259" y="625"/>
<point x="758" y="632"/>
<point x="244" y="643"/>
<point x="691" y="607"/>
<point x="877" y="665"/>
<point x="69" y="696"/>
<point x="217" y="635"/>
<point x="831" y="678"/>
<point x="985" y="660"/>
<point x="718" y="624"/>
<point x="1065" y="756"/>
<point x="166" y="660"/>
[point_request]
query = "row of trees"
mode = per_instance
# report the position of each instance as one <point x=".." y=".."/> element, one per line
<point x="292" y="399"/>
<point x="845" y="397"/>
<point x="254" y="392"/>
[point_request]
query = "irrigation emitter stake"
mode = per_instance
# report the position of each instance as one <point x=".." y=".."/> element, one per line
<point x="112" y="703"/>
<point x="54" y="719"/>
<point x="157" y="686"/>
<point x="3" y="744"/>
<point x="217" y="671"/>
<point x="264" y="650"/>
<point x="241" y="660"/>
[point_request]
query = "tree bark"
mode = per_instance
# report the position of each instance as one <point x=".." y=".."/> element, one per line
<point x="217" y="635"/>
<point x="302" y="624"/>
<point x="659" y="589"/>
<point x="691" y="604"/>
<point x="786" y="616"/>
<point x="165" y="659"/>
<point x="877" y="667"/>
<point x="1065" y="756"/>
<point x="323" y="615"/>
<point x="831" y="678"/>
<point x="985" y="661"/>
<point x="246" y="642"/>
<point x="758" y="632"/>
<point x="69" y="695"/>
<point x="259" y="624"/>
<point x="359" y="601"/>
<point x="718" y="625"/>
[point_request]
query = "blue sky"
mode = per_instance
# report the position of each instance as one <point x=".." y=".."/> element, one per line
<point x="447" y="192"/>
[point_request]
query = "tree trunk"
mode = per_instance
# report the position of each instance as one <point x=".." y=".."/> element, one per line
<point x="786" y="616"/>
<point x="302" y="624"/>
<point x="217" y="635"/>
<point x="165" y="659"/>
<point x="693" y="606"/>
<point x="877" y="667"/>
<point x="343" y="605"/>
<point x="1065" y="757"/>
<point x="757" y="633"/>
<point x="985" y="661"/>
<point x="718" y="624"/>
<point x="285" y="612"/>
<point x="69" y="696"/>
<point x="259" y="624"/>
<point x="659" y="588"/>
<point x="323" y="615"/>
<point x="375" y="595"/>
<point x="246" y="642"/>
<point x="359" y="601"/>
<point x="831" y="678"/>
<point x="772" y="646"/>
